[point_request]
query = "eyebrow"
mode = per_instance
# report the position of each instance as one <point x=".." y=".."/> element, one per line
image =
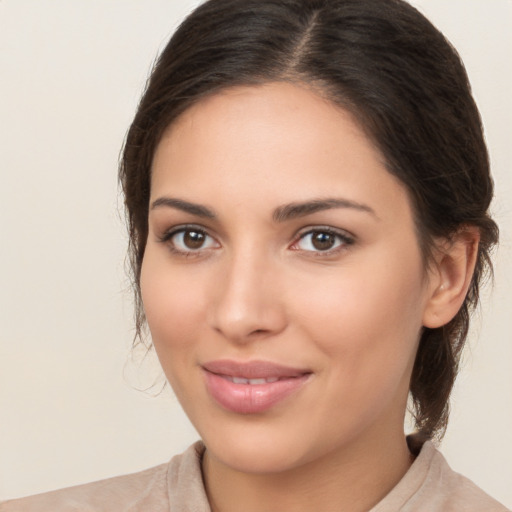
<point x="281" y="213"/>
<point x="185" y="206"/>
<point x="295" y="210"/>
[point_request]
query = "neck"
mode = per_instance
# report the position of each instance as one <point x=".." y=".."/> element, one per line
<point x="354" y="478"/>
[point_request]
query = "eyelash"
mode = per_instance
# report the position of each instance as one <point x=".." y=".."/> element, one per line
<point x="344" y="240"/>
<point x="167" y="237"/>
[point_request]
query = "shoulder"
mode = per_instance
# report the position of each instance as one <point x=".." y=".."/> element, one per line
<point x="118" y="493"/>
<point x="431" y="485"/>
<point x="456" y="492"/>
<point x="145" y="490"/>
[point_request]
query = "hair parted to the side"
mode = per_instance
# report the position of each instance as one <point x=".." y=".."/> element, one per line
<point x="384" y="62"/>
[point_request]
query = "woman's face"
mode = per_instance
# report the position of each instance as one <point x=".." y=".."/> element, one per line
<point x="282" y="280"/>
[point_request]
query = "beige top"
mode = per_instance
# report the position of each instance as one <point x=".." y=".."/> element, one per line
<point x="429" y="486"/>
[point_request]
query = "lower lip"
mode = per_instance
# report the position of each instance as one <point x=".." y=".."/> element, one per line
<point x="251" y="398"/>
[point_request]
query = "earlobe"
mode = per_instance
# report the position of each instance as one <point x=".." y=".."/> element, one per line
<point x="451" y="277"/>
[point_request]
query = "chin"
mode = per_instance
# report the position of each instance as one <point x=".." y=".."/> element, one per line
<point x="261" y="446"/>
<point x="269" y="456"/>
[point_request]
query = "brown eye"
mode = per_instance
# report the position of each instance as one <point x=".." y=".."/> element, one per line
<point x="322" y="241"/>
<point x="188" y="240"/>
<point x="193" y="239"/>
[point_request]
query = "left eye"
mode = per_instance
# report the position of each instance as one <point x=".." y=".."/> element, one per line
<point x="320" y="241"/>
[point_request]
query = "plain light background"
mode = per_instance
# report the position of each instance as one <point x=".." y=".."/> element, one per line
<point x="71" y="74"/>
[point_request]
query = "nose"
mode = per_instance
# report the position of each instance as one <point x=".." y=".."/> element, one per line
<point x="247" y="303"/>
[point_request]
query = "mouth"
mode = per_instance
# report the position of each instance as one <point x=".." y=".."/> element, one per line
<point x="251" y="382"/>
<point x="252" y="387"/>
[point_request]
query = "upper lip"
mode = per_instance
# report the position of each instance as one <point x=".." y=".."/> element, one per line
<point x="253" y="369"/>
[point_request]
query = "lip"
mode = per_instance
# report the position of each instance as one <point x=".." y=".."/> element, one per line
<point x="247" y="398"/>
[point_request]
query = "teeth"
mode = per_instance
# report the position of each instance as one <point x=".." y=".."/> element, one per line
<point x="257" y="381"/>
<point x="252" y="382"/>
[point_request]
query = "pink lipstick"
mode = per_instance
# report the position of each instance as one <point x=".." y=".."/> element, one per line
<point x="251" y="387"/>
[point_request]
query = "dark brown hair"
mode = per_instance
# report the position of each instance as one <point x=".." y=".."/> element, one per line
<point x="383" y="61"/>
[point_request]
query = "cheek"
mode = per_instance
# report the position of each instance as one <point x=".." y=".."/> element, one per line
<point x="172" y="305"/>
<point x="367" y="318"/>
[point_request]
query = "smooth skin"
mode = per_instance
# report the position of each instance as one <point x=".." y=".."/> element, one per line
<point x="239" y="265"/>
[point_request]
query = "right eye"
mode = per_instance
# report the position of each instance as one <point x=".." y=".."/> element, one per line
<point x="189" y="240"/>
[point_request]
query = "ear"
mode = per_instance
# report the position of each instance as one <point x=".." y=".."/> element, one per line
<point x="450" y="276"/>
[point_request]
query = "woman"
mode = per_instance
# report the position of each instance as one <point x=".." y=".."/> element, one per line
<point x="307" y="189"/>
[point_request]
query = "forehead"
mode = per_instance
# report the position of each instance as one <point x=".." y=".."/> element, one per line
<point x="278" y="141"/>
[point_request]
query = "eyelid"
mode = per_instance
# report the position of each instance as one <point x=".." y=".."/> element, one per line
<point x="168" y="234"/>
<point x="346" y="238"/>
